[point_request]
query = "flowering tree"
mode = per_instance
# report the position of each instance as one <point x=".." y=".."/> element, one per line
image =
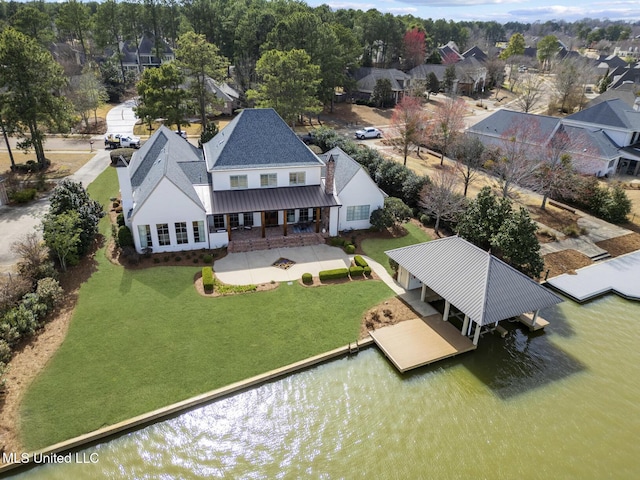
<point x="414" y="47"/>
<point x="407" y="122"/>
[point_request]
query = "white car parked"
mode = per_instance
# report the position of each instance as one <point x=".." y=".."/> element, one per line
<point x="368" y="132"/>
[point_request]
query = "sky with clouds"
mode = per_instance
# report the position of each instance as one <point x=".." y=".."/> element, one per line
<point x="526" y="11"/>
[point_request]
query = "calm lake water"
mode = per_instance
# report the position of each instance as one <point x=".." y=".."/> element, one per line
<point x="556" y="405"/>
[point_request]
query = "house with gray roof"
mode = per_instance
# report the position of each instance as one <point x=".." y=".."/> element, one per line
<point x="481" y="286"/>
<point x="254" y="176"/>
<point x="602" y="139"/>
<point x="367" y="77"/>
<point x="471" y="74"/>
<point x="358" y="193"/>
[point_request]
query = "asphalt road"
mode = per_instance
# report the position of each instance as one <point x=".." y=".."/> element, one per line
<point x="16" y="221"/>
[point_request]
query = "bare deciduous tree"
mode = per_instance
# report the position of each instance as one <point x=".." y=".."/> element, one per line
<point x="516" y="158"/>
<point x="468" y="152"/>
<point x="448" y="121"/>
<point x="529" y="92"/>
<point x="407" y="122"/>
<point x="440" y="198"/>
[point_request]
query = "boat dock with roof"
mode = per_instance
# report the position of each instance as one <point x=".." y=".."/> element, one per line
<point x="483" y="289"/>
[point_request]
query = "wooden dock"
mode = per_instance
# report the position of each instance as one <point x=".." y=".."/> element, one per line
<point x="414" y="343"/>
<point x="527" y="319"/>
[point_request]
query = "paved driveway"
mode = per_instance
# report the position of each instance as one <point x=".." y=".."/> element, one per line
<point x="15" y="223"/>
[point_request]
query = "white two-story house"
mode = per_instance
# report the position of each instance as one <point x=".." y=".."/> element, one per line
<point x="254" y="176"/>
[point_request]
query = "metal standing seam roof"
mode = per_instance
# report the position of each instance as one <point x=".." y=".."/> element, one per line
<point x="474" y="281"/>
<point x="256" y="138"/>
<point x="268" y="199"/>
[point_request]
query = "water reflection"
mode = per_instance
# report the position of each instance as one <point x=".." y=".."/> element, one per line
<point x="530" y="406"/>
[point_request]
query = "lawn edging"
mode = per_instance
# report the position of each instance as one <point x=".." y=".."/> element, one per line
<point x="68" y="446"/>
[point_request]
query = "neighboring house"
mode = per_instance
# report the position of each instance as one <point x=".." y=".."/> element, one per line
<point x="358" y="193"/>
<point x="145" y="54"/>
<point x="471" y="75"/>
<point x="224" y="92"/>
<point x="629" y="74"/>
<point x="477" y="53"/>
<point x="626" y="92"/>
<point x="604" y="138"/>
<point x="628" y="51"/>
<point x="449" y="53"/>
<point x="367" y="77"/>
<point x="255" y="175"/>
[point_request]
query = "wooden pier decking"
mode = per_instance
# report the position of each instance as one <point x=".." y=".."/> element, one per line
<point x="414" y="343"/>
<point x="527" y="319"/>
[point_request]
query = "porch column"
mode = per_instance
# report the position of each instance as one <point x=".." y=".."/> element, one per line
<point x="262" y="220"/>
<point x="317" y="219"/>
<point x="284" y="225"/>
<point x="635" y="171"/>
<point x="228" y="217"/>
<point x="445" y="315"/>
<point x="423" y="292"/>
<point x="535" y="317"/>
<point x="465" y="324"/>
<point x="476" y="335"/>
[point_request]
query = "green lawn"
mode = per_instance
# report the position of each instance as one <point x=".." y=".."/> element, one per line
<point x="375" y="247"/>
<point x="143" y="339"/>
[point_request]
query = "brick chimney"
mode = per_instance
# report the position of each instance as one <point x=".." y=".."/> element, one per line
<point x="329" y="175"/>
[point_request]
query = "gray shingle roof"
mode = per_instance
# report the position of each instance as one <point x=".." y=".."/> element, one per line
<point x="257" y="137"/>
<point x="367" y="77"/>
<point x="166" y="155"/>
<point x="612" y="113"/>
<point x="346" y="167"/>
<point x="265" y="199"/>
<point x="474" y="281"/>
<point x="501" y="121"/>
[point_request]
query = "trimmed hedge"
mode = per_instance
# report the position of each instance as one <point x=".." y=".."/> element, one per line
<point x="367" y="270"/>
<point x="334" y="274"/>
<point x="120" y="219"/>
<point x="350" y="249"/>
<point x="307" y="278"/>
<point x="356" y="271"/>
<point x="207" y="258"/>
<point x="207" y="278"/>
<point x="337" y="241"/>
<point x="359" y="261"/>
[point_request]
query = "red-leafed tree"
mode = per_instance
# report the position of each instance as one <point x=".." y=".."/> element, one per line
<point x="408" y="122"/>
<point x="414" y="42"/>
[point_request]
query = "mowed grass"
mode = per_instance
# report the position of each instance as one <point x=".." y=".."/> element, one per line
<point x="140" y="340"/>
<point x="375" y="247"/>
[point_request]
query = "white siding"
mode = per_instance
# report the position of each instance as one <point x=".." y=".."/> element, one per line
<point x="221" y="178"/>
<point x="167" y="204"/>
<point x="361" y="190"/>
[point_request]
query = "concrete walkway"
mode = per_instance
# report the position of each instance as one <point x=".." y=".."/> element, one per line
<point x="596" y="231"/>
<point x="257" y="267"/>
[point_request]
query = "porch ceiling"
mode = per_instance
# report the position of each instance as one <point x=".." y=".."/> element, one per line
<point x="265" y="199"/>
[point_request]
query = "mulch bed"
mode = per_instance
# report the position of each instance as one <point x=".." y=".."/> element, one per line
<point x="621" y="245"/>
<point x="197" y="283"/>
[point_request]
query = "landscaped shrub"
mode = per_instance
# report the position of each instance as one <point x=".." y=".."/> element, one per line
<point x="207" y="278"/>
<point x="359" y="261"/>
<point x="393" y="264"/>
<point x="334" y="274"/>
<point x="367" y="270"/>
<point x="49" y="291"/>
<point x="178" y="258"/>
<point x="337" y="241"/>
<point x="207" y="258"/>
<point x="195" y="260"/>
<point x="350" y="249"/>
<point x="307" y="278"/>
<point x="120" y="219"/>
<point x="356" y="271"/>
<point x="23" y="196"/>
<point x="125" y="238"/>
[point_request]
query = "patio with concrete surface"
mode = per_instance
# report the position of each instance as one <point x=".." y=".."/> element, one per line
<point x="257" y="267"/>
